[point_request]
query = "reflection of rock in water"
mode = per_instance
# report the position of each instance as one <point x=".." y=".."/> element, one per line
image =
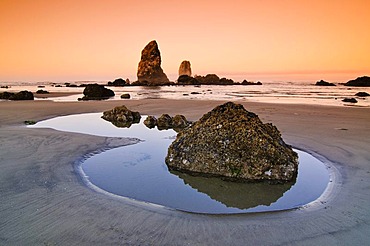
<point x="237" y="195"/>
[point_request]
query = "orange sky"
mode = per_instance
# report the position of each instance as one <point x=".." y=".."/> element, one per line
<point x="102" y="40"/>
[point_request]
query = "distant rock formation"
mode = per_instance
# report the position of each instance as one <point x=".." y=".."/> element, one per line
<point x="118" y="82"/>
<point x="22" y="95"/>
<point x="185" y="68"/>
<point x="213" y="79"/>
<point x="324" y="83"/>
<point x="245" y="82"/>
<point x="121" y="116"/>
<point x="149" y="70"/>
<point x="96" y="92"/>
<point x="234" y="144"/>
<point x="362" y="94"/>
<point x="360" y="81"/>
<point x="187" y="80"/>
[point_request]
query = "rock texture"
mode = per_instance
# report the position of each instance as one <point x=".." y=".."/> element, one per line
<point x="121" y="116"/>
<point x="165" y="121"/>
<point x="324" y="83"/>
<point x="185" y="68"/>
<point x="234" y="144"/>
<point x="150" y="122"/>
<point x="96" y="92"/>
<point x="22" y="95"/>
<point x="149" y="71"/>
<point x="360" y="81"/>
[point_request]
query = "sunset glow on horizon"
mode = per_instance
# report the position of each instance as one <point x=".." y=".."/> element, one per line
<point x="102" y="40"/>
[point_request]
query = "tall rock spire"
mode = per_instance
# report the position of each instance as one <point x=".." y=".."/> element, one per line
<point x="149" y="70"/>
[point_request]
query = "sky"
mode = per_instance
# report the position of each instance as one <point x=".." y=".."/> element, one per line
<point x="78" y="40"/>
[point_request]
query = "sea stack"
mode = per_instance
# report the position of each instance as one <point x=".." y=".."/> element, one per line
<point x="234" y="144"/>
<point x="185" y="68"/>
<point x="149" y="70"/>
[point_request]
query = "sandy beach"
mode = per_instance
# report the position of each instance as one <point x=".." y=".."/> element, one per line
<point x="45" y="202"/>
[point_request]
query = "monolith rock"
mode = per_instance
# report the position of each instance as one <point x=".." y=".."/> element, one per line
<point x="185" y="68"/>
<point x="234" y="144"/>
<point x="149" y="70"/>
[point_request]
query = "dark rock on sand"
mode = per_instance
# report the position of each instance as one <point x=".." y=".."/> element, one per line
<point x="22" y="95"/>
<point x="6" y="95"/>
<point x="234" y="144"/>
<point x="324" y="83"/>
<point x="42" y="92"/>
<point x="149" y="70"/>
<point x="150" y="122"/>
<point x="121" y="116"/>
<point x="362" y="94"/>
<point x="96" y="92"/>
<point x="185" y="68"/>
<point x="360" y="81"/>
<point x="125" y="96"/>
<point x="350" y="100"/>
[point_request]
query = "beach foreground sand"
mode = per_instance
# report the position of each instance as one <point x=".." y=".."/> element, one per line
<point x="44" y="201"/>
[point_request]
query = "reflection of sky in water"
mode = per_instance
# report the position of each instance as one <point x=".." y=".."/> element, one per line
<point x="139" y="172"/>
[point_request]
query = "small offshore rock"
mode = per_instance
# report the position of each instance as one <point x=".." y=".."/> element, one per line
<point x="350" y="100"/>
<point x="245" y="82"/>
<point x="185" y="68"/>
<point x="360" y="81"/>
<point x="362" y="94"/>
<point x="324" y="83"/>
<point x="234" y="144"/>
<point x="164" y="122"/>
<point x="117" y="82"/>
<point x="125" y="96"/>
<point x="150" y="122"/>
<point x="96" y="92"/>
<point x="187" y="80"/>
<point x="121" y="116"/>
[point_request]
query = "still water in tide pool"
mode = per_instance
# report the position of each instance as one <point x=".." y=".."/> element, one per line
<point x="139" y="172"/>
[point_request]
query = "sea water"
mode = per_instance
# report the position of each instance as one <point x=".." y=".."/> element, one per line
<point x="139" y="172"/>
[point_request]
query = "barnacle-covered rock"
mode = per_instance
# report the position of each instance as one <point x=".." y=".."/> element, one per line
<point x="234" y="144"/>
<point x="121" y="116"/>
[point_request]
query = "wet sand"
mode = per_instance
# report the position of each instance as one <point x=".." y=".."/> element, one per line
<point x="44" y="201"/>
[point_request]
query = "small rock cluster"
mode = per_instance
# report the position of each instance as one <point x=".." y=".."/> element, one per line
<point x="234" y="144"/>
<point x="22" y="95"/>
<point x="121" y="116"/>
<point x="165" y="122"/>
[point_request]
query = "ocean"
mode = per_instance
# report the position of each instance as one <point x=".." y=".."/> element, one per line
<point x="269" y="92"/>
